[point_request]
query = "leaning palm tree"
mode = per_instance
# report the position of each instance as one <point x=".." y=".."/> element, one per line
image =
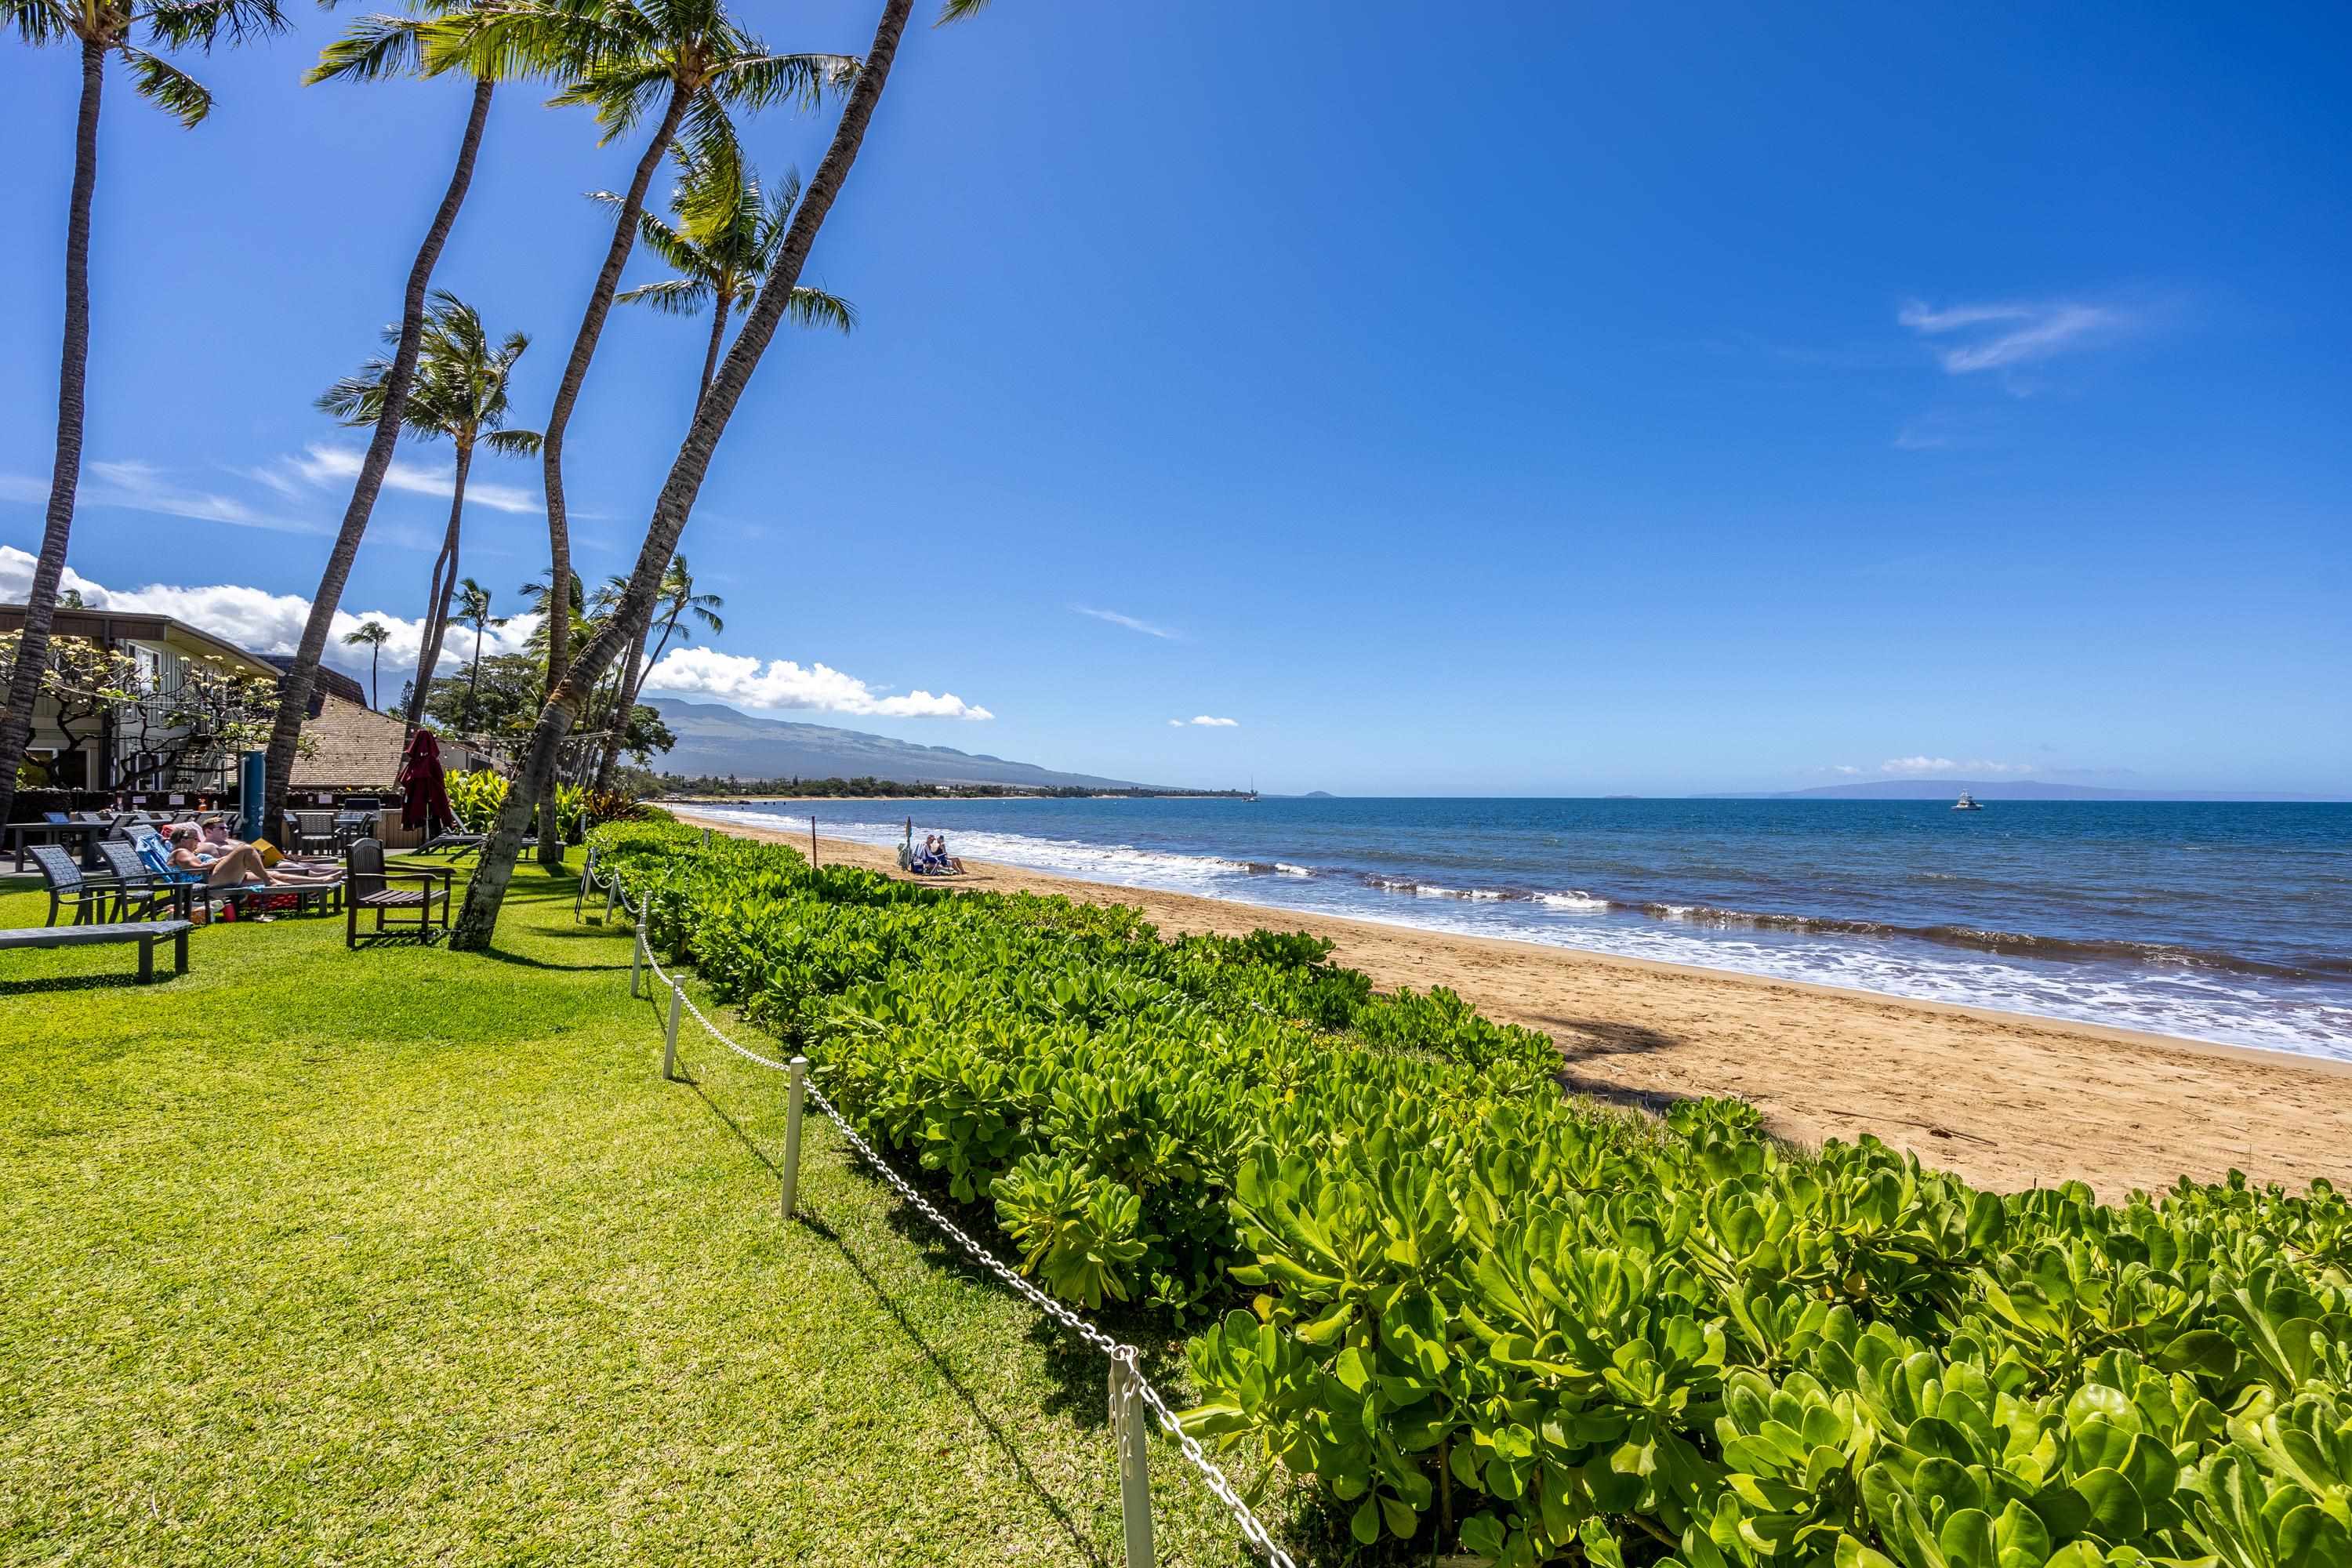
<point x="723" y="244"/>
<point x="377" y="47"/>
<point x="371" y="635"/>
<point x="677" y="598"/>
<point x="460" y="392"/>
<point x="133" y="31"/>
<point x="487" y="891"/>
<point x="623" y="59"/>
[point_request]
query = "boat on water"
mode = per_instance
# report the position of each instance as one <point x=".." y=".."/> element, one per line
<point x="1966" y="803"/>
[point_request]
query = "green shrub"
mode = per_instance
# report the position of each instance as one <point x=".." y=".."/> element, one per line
<point x="1488" y="1319"/>
<point x="476" y="798"/>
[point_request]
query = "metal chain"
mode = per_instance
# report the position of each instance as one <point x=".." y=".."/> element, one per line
<point x="1253" y="1531"/>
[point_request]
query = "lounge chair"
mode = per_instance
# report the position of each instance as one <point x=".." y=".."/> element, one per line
<point x="138" y="883"/>
<point x="69" y="883"/>
<point x="369" y="886"/>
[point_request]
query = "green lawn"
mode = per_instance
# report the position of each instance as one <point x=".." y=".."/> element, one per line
<point x="402" y="1256"/>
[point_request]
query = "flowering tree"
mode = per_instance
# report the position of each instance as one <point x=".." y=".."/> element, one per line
<point x="211" y="712"/>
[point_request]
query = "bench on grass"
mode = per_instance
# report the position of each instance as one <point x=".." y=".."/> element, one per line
<point x="146" y="933"/>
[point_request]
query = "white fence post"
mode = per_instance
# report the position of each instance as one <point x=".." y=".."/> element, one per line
<point x="669" y="1037"/>
<point x="1129" y="1428"/>
<point x="587" y="869"/>
<point x="638" y="955"/>
<point x="797" y="1087"/>
<point x="612" y="891"/>
<point x="706" y="838"/>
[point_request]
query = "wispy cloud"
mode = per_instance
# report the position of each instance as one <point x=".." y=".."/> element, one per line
<point x="1923" y="766"/>
<point x="741" y="679"/>
<point x="321" y="464"/>
<point x="1972" y="338"/>
<point x="1205" y="719"/>
<point x="142" y="487"/>
<point x="1129" y="622"/>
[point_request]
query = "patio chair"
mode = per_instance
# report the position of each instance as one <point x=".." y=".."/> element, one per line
<point x="69" y="883"/>
<point x="138" y="883"/>
<point x="369" y="886"/>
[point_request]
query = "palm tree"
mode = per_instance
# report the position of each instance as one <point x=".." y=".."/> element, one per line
<point x="377" y="47"/>
<point x="724" y="243"/>
<point x="474" y="610"/>
<point x="579" y="611"/>
<point x="102" y="28"/>
<point x="460" y="392"/>
<point x="677" y="598"/>
<point x="623" y="59"/>
<point x="371" y="635"/>
<point x="487" y="891"/>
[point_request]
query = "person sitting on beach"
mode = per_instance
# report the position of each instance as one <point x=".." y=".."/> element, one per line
<point x="925" y="861"/>
<point x="241" y="867"/>
<point x="941" y="859"/>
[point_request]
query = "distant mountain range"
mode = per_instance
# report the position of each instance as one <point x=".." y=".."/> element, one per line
<point x="2012" y="789"/>
<point x="715" y="740"/>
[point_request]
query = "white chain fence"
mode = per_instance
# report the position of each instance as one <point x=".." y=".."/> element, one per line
<point x="1128" y="1386"/>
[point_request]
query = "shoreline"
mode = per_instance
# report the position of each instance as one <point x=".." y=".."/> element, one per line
<point x="2007" y="1100"/>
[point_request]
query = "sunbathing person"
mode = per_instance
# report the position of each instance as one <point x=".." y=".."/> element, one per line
<point x="241" y="867"/>
<point x="941" y="859"/>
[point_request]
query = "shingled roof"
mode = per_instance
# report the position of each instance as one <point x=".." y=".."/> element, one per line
<point x="352" y="747"/>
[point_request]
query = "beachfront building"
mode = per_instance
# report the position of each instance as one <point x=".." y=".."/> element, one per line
<point x="82" y="744"/>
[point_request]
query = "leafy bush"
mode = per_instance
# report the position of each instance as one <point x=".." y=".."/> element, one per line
<point x="476" y="798"/>
<point x="1488" y="1319"/>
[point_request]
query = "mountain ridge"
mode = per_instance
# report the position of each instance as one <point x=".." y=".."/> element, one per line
<point x="719" y="741"/>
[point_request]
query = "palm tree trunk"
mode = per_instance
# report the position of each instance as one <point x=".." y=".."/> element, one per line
<point x="474" y="671"/>
<point x="635" y="674"/>
<point x="478" y="923"/>
<point x="718" y="341"/>
<point x="375" y="675"/>
<point x="294" y="690"/>
<point x="444" y="583"/>
<point x="567" y="393"/>
<point x="64" y="476"/>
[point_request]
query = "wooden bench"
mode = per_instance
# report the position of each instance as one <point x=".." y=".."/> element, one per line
<point x="146" y="933"/>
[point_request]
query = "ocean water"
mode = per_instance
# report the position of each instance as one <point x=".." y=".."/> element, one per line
<point x="2224" y="923"/>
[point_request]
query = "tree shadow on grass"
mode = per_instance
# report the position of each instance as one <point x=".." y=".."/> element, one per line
<point x="814" y="1222"/>
<point x="54" y="983"/>
<point x="500" y="955"/>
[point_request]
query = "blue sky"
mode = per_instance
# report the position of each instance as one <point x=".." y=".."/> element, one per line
<point x="1526" y="399"/>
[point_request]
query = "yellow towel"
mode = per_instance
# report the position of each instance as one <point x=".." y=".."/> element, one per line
<point x="270" y="853"/>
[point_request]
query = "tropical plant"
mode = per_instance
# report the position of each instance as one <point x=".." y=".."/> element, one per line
<point x="460" y="392"/>
<point x="474" y="797"/>
<point x="371" y="635"/>
<point x="677" y="600"/>
<point x="376" y="47"/>
<point x="692" y="62"/>
<point x="133" y="31"/>
<point x="721" y="246"/>
<point x="1486" y="1318"/>
<point x="477" y="922"/>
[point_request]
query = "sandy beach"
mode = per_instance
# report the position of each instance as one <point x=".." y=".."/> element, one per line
<point x="2006" y="1100"/>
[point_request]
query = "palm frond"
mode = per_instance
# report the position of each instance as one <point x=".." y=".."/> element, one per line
<point x="758" y="80"/>
<point x="179" y="24"/>
<point x="620" y="91"/>
<point x="166" y="85"/>
<point x="357" y="399"/>
<point x="512" y="443"/>
<point x="958" y="11"/>
<point x="680" y="254"/>
<point x="376" y="47"/>
<point x="521" y="40"/>
<point x="815" y="307"/>
<point x="671" y="296"/>
<point x="37" y="22"/>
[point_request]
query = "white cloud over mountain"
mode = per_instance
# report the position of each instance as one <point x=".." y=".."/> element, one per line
<point x="1203" y="718"/>
<point x="783" y="684"/>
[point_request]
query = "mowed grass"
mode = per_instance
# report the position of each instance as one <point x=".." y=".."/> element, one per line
<point x="402" y="1257"/>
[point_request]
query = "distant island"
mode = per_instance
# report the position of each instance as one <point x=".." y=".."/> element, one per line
<point x="677" y="786"/>
<point x="2009" y="789"/>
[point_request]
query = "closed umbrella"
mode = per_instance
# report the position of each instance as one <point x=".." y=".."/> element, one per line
<point x="424" y="798"/>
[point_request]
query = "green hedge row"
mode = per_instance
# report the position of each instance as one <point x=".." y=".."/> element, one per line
<point x="1488" y="1319"/>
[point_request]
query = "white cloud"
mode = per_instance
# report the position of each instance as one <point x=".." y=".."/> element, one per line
<point x="320" y="464"/>
<point x="1206" y="719"/>
<point x="261" y="622"/>
<point x="1994" y="336"/>
<point x="741" y="679"/>
<point x="1129" y="622"/>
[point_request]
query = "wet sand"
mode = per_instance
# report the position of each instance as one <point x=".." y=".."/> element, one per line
<point x="2005" y="1099"/>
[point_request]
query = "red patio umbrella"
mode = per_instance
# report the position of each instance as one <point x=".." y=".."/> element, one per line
<point x="424" y="798"/>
